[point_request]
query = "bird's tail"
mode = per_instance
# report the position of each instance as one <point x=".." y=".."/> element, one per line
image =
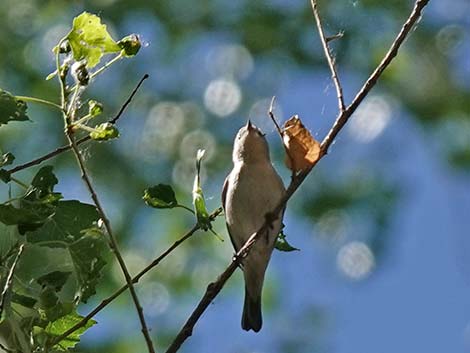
<point x="252" y="319"/>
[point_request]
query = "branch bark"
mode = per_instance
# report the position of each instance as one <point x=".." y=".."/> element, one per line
<point x="215" y="287"/>
<point x="329" y="56"/>
<point x="69" y="109"/>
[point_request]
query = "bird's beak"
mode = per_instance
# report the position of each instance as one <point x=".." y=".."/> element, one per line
<point x="249" y="125"/>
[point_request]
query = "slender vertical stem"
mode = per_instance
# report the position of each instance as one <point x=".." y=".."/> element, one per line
<point x="68" y="116"/>
<point x="329" y="56"/>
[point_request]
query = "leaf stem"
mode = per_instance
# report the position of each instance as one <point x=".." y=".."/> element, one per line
<point x="185" y="207"/>
<point x="39" y="101"/>
<point x="19" y="182"/>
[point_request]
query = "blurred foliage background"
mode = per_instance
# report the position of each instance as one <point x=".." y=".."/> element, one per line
<point x="382" y="222"/>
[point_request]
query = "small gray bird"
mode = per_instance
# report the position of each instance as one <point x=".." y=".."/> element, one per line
<point x="251" y="190"/>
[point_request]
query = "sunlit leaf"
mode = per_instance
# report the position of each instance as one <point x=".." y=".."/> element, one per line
<point x="58" y="327"/>
<point x="11" y="109"/>
<point x="90" y="40"/>
<point x="104" y="132"/>
<point x="282" y="244"/>
<point x="160" y="196"/>
<point x="94" y="108"/>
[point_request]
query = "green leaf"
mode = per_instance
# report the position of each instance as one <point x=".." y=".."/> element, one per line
<point x="199" y="202"/>
<point x="69" y="228"/>
<point x="104" y="132"/>
<point x="160" y="196"/>
<point x="11" y="109"/>
<point x="282" y="244"/>
<point x="65" y="226"/>
<point x="130" y="44"/>
<point x="90" y="40"/>
<point x="94" y="108"/>
<point x="6" y="159"/>
<point x="25" y="219"/>
<point x="45" y="180"/>
<point x="23" y="300"/>
<point x="59" y="326"/>
<point x="54" y="280"/>
<point x="87" y="257"/>
<point x="36" y="206"/>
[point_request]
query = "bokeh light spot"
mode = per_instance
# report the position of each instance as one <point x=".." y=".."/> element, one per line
<point x="231" y="60"/>
<point x="222" y="97"/>
<point x="355" y="260"/>
<point x="370" y="119"/>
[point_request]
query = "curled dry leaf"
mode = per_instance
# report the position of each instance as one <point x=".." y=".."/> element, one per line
<point x="302" y="149"/>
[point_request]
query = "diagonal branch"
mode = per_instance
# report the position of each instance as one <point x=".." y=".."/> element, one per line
<point x="329" y="56"/>
<point x="215" y="287"/>
<point x="64" y="148"/>
<point x="135" y="279"/>
<point x="9" y="278"/>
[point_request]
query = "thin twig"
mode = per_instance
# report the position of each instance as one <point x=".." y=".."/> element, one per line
<point x="273" y="118"/>
<point x="68" y="116"/>
<point x="343" y="117"/>
<point x="329" y="56"/>
<point x="214" y="288"/>
<point x="9" y="278"/>
<point x="64" y="148"/>
<point x="135" y="279"/>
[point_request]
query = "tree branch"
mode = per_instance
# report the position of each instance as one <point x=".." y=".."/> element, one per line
<point x="329" y="56"/>
<point x="68" y="116"/>
<point x="9" y="278"/>
<point x="135" y="279"/>
<point x="343" y="117"/>
<point x="64" y="148"/>
<point x="215" y="287"/>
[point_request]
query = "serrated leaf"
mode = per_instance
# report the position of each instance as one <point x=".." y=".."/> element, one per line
<point x="59" y="326"/>
<point x="11" y="109"/>
<point x="160" y="196"/>
<point x="104" y="132"/>
<point x="68" y="228"/>
<point x="282" y="244"/>
<point x="90" y="40"/>
<point x="6" y="159"/>
<point x="70" y="218"/>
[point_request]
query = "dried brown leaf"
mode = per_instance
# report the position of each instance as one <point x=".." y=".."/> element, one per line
<point x="302" y="149"/>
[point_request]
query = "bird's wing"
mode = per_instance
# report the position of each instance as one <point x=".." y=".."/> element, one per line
<point x="224" y="199"/>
